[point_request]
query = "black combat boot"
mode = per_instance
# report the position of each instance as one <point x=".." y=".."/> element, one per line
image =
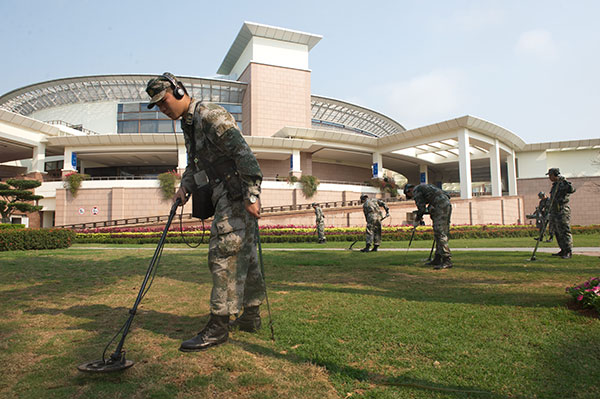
<point x="249" y="321"/>
<point x="567" y="254"/>
<point x="437" y="260"/>
<point x="375" y="248"/>
<point x="445" y="264"/>
<point x="215" y="333"/>
<point x="561" y="253"/>
<point x="366" y="249"/>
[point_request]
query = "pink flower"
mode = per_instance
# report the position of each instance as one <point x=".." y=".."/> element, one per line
<point x="580" y="297"/>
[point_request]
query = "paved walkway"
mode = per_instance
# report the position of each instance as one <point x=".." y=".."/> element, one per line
<point x="590" y="251"/>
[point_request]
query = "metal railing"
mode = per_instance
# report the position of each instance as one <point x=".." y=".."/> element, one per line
<point x="188" y="216"/>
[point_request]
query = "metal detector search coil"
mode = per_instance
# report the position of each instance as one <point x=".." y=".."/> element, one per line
<point x="117" y="361"/>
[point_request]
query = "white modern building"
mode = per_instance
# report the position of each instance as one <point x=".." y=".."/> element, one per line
<point x="100" y="125"/>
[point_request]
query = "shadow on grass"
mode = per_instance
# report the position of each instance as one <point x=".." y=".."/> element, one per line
<point x="348" y="373"/>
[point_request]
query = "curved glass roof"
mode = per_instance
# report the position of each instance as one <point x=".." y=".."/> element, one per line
<point x="124" y="88"/>
<point x="336" y="114"/>
<point x="327" y="113"/>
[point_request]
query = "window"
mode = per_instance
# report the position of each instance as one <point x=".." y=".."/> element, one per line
<point x="137" y="118"/>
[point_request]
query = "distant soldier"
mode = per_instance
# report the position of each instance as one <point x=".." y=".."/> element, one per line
<point x="320" y="222"/>
<point x="541" y="215"/>
<point x="560" y="212"/>
<point x="372" y="211"/>
<point x="431" y="199"/>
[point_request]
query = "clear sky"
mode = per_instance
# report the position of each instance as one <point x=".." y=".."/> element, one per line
<point x="532" y="67"/>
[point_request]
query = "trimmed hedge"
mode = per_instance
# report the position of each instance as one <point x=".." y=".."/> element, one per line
<point x="270" y="234"/>
<point x="8" y="226"/>
<point x="23" y="239"/>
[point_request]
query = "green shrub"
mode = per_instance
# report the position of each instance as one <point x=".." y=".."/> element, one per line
<point x="8" y="226"/>
<point x="23" y="239"/>
<point x="309" y="185"/>
<point x="168" y="182"/>
<point x="72" y="182"/>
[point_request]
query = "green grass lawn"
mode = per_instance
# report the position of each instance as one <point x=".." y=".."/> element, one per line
<point x="347" y="325"/>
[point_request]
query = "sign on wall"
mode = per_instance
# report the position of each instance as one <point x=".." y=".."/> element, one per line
<point x="375" y="169"/>
<point x="74" y="160"/>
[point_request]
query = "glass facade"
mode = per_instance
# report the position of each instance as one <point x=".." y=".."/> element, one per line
<point x="137" y="118"/>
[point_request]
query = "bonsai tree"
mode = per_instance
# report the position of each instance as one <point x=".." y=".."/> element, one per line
<point x="15" y="196"/>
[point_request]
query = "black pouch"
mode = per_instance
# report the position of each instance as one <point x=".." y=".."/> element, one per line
<point x="202" y="206"/>
<point x="233" y="185"/>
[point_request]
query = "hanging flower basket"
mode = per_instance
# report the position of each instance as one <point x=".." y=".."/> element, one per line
<point x="72" y="182"/>
<point x="168" y="182"/>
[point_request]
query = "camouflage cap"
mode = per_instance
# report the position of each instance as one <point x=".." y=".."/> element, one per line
<point x="407" y="187"/>
<point x="156" y="89"/>
<point x="553" y="171"/>
<point x="541" y="194"/>
<point x="364" y="196"/>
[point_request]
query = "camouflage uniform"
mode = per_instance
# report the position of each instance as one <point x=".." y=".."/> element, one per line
<point x="232" y="256"/>
<point x="320" y="221"/>
<point x="541" y="212"/>
<point x="440" y="211"/>
<point x="372" y="211"/>
<point x="560" y="213"/>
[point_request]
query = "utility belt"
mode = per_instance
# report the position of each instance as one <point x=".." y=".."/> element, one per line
<point x="227" y="173"/>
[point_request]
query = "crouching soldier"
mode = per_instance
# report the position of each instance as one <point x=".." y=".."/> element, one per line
<point x="372" y="211"/>
<point x="429" y="198"/>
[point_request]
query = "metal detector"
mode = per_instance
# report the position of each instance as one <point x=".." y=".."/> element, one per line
<point x="546" y="221"/>
<point x="262" y="272"/>
<point x="117" y="361"/>
<point x="431" y="252"/>
<point x="412" y="236"/>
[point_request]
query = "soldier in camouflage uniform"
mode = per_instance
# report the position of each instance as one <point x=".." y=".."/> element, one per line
<point x="215" y="148"/>
<point x="372" y="211"/>
<point x="320" y="221"/>
<point x="540" y="215"/>
<point x="560" y="212"/>
<point x="432" y="200"/>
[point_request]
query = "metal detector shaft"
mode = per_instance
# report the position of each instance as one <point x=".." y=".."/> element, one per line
<point x="431" y="252"/>
<point x="545" y="224"/>
<point x="262" y="272"/>
<point x="117" y="353"/>
<point x="410" y="242"/>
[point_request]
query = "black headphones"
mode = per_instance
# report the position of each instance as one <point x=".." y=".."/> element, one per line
<point x="178" y="90"/>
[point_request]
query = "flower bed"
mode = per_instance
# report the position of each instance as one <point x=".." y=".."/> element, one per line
<point x="587" y="294"/>
<point x="290" y="233"/>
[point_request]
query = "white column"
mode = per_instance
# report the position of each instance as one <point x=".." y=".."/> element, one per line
<point x="464" y="165"/>
<point x="512" y="173"/>
<point x="295" y="163"/>
<point x="39" y="158"/>
<point x="423" y="174"/>
<point x="67" y="163"/>
<point x="181" y="158"/>
<point x="495" y="169"/>
<point x="377" y="167"/>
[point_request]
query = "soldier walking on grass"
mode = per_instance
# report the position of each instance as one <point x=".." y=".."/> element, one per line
<point x="372" y="211"/>
<point x="320" y="222"/>
<point x="560" y="212"/>
<point x="432" y="200"/>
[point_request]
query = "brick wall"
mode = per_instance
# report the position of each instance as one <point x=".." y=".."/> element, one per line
<point x="276" y="97"/>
